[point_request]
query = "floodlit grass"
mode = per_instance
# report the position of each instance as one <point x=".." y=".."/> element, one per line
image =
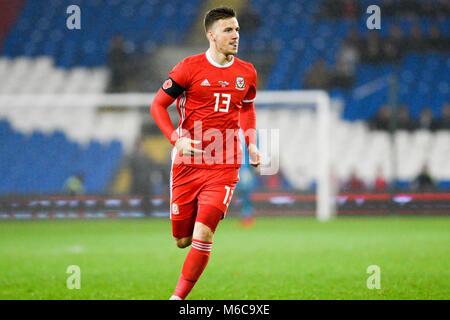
<point x="278" y="258"/>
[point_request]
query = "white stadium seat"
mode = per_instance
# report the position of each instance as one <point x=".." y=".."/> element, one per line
<point x="355" y="147"/>
<point x="39" y="75"/>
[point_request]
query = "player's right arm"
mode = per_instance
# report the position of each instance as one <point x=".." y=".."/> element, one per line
<point x="163" y="99"/>
<point x="159" y="112"/>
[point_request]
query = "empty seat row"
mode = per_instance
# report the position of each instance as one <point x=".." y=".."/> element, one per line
<point x="25" y="75"/>
<point x="354" y="147"/>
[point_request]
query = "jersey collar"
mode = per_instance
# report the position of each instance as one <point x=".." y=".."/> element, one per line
<point x="215" y="64"/>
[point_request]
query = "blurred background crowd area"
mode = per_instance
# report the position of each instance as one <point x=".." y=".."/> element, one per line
<point x="392" y="85"/>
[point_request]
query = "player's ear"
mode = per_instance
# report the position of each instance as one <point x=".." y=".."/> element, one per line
<point x="210" y="36"/>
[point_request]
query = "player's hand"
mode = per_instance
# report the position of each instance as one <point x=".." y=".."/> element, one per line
<point x="184" y="147"/>
<point x="255" y="157"/>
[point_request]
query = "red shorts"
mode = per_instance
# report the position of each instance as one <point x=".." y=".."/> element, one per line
<point x="192" y="187"/>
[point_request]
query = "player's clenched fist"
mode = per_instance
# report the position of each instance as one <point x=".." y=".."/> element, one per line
<point x="184" y="147"/>
<point x="255" y="157"/>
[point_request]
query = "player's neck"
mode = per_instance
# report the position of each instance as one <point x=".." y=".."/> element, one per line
<point x="219" y="57"/>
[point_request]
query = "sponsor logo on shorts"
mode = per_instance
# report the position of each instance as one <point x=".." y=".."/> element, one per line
<point x="175" y="208"/>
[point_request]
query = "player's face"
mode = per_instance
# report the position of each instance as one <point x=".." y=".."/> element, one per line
<point x="225" y="34"/>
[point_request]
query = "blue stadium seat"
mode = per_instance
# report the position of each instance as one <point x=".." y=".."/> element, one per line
<point x="44" y="32"/>
<point x="41" y="163"/>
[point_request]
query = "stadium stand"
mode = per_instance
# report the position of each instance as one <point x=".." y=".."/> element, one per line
<point x="300" y="33"/>
<point x="40" y="30"/>
<point x="40" y="163"/>
<point x="41" y="56"/>
<point x="355" y="146"/>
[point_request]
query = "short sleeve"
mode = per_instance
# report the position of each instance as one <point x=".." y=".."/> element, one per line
<point x="251" y="93"/>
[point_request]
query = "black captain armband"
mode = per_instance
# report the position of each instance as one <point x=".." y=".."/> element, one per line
<point x="172" y="88"/>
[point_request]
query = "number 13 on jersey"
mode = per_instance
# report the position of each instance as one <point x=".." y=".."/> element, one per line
<point x="225" y="101"/>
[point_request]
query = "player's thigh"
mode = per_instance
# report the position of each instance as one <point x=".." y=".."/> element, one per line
<point x="219" y="189"/>
<point x="183" y="201"/>
<point x="183" y="220"/>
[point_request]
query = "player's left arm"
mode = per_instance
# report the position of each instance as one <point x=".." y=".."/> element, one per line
<point x="248" y="126"/>
<point x="248" y="123"/>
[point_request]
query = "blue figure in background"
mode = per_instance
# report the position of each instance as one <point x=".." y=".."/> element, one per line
<point x="247" y="182"/>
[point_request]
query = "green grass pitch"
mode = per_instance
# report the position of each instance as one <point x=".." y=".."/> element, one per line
<point x="289" y="258"/>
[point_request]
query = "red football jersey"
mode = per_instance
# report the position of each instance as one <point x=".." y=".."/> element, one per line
<point x="209" y="107"/>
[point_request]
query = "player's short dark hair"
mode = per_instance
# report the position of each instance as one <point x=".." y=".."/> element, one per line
<point x="216" y="14"/>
